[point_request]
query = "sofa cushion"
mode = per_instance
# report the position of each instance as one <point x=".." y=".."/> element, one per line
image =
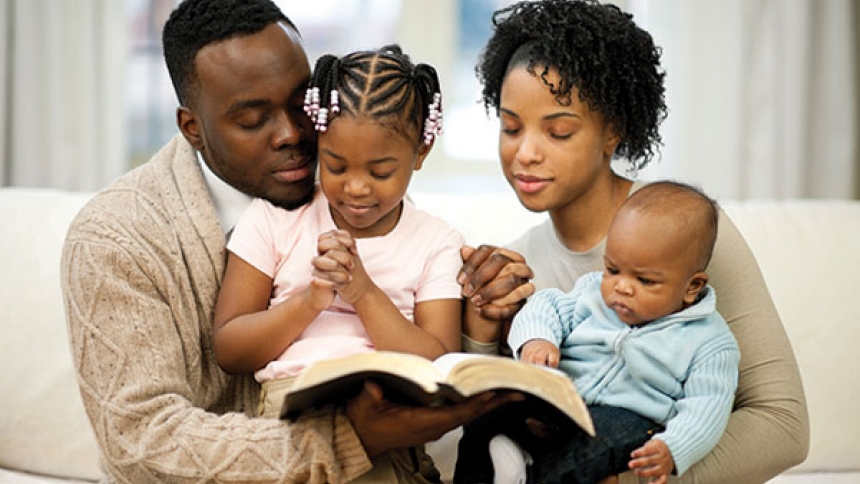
<point x="806" y="249"/>
<point x="808" y="252"/>
<point x="43" y="426"/>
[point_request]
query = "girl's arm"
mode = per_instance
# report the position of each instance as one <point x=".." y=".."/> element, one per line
<point x="247" y="334"/>
<point x="436" y="330"/>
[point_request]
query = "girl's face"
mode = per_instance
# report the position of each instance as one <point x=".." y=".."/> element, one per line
<point x="365" y="169"/>
<point x="551" y="154"/>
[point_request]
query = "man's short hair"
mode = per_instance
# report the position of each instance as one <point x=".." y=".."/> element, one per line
<point x="195" y="24"/>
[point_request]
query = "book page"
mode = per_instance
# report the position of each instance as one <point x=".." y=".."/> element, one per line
<point x="553" y="386"/>
<point x="450" y="378"/>
<point x="446" y="363"/>
<point x="411" y="367"/>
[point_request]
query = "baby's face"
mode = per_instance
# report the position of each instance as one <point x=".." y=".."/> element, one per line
<point x="649" y="272"/>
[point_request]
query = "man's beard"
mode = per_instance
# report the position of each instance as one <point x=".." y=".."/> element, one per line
<point x="294" y="204"/>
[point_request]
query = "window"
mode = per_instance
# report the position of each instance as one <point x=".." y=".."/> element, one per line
<point x="150" y="101"/>
<point x="447" y="34"/>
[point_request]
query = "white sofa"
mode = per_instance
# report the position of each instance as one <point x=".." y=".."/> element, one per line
<point x="809" y="252"/>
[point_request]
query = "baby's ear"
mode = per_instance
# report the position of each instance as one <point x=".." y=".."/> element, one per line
<point x="694" y="287"/>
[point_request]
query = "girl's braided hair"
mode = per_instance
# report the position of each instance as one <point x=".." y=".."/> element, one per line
<point x="383" y="85"/>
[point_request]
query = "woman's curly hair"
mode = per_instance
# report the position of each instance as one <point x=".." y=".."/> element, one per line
<point x="597" y="49"/>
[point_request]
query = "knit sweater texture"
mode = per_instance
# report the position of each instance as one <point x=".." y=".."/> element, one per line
<point x="141" y="268"/>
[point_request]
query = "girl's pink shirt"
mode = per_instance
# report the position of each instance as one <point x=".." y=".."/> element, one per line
<point x="417" y="261"/>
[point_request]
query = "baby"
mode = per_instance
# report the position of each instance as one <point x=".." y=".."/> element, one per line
<point x="642" y="341"/>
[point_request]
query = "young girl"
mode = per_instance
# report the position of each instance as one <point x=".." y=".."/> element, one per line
<point x="575" y="84"/>
<point x="359" y="268"/>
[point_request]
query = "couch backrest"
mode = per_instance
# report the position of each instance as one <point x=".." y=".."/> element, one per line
<point x="807" y="251"/>
<point x="43" y="428"/>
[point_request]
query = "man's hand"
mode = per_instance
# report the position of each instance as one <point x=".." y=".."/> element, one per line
<point x="495" y="280"/>
<point x="384" y="426"/>
<point x="653" y="460"/>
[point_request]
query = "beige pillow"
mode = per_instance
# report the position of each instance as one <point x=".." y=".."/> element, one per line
<point x="808" y="253"/>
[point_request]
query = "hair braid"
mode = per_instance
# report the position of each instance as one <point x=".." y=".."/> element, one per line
<point x="383" y="85"/>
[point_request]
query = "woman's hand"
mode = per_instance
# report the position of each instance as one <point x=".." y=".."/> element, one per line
<point x="495" y="280"/>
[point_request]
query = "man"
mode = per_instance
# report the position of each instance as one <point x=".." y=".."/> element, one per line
<point x="143" y="262"/>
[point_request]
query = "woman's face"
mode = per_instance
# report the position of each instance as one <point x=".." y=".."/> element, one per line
<point x="551" y="154"/>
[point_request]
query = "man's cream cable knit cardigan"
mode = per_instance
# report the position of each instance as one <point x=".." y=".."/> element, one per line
<point x="141" y="269"/>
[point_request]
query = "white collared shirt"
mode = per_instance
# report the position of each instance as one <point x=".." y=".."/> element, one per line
<point x="229" y="202"/>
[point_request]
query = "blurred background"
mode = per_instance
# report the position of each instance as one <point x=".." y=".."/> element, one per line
<point x="762" y="94"/>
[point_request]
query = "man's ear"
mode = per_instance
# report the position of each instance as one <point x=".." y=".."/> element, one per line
<point x="694" y="287"/>
<point x="189" y="125"/>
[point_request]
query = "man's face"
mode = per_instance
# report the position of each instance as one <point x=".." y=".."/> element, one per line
<point x="247" y="118"/>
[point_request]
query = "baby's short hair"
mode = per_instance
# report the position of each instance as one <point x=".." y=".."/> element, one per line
<point x="688" y="206"/>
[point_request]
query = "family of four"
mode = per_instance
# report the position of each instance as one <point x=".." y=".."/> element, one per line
<point x="274" y="230"/>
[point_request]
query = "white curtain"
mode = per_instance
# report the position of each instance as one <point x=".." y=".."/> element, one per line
<point x="62" y="119"/>
<point x="762" y="95"/>
<point x="5" y="25"/>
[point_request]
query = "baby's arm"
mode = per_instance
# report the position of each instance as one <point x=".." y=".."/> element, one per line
<point x="653" y="460"/>
<point x="540" y="352"/>
<point x="436" y="329"/>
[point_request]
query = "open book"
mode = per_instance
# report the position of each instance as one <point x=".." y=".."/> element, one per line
<point x="453" y="377"/>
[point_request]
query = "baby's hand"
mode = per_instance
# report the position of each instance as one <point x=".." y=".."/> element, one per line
<point x="653" y="460"/>
<point x="540" y="352"/>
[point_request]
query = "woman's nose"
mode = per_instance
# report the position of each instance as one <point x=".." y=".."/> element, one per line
<point x="529" y="150"/>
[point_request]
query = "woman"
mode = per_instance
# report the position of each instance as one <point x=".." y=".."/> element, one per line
<point x="575" y="84"/>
